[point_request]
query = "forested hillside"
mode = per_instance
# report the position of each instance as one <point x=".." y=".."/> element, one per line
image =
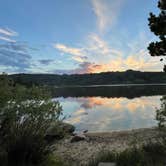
<point x="128" y="77"/>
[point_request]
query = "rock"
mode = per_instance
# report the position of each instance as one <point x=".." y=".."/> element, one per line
<point x="68" y="128"/>
<point x="85" y="131"/>
<point x="78" y="137"/>
<point x="51" y="137"/>
<point x="58" y="130"/>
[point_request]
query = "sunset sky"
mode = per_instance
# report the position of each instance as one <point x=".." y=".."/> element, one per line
<point x="76" y="36"/>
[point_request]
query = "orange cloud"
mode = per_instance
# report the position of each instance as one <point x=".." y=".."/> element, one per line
<point x="98" y="56"/>
<point x="120" y="103"/>
<point x="120" y="64"/>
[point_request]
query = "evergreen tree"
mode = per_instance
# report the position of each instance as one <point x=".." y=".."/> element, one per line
<point x="157" y="25"/>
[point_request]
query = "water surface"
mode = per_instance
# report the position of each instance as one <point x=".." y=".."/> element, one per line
<point x="104" y="109"/>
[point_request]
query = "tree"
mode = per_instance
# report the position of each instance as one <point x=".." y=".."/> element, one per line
<point x="157" y="25"/>
<point x="161" y="113"/>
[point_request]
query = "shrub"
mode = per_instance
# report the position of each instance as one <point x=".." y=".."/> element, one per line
<point x="25" y="116"/>
<point x="161" y="114"/>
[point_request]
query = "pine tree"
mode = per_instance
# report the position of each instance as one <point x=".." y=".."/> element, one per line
<point x="157" y="25"/>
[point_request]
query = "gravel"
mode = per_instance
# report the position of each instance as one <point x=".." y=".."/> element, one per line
<point x="79" y="153"/>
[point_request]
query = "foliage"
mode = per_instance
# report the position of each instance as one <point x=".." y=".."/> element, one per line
<point x="53" y="160"/>
<point x="161" y="113"/>
<point x="157" y="25"/>
<point x="25" y="116"/>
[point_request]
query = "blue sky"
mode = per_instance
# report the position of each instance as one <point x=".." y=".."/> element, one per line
<point x="76" y="36"/>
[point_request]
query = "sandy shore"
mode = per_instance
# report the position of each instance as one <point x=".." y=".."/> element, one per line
<point x="79" y="153"/>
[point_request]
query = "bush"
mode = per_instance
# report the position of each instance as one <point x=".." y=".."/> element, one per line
<point x="25" y="117"/>
<point x="161" y="114"/>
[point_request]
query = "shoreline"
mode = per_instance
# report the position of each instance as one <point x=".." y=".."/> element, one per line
<point x="79" y="153"/>
<point x="110" y="85"/>
<point x="119" y="132"/>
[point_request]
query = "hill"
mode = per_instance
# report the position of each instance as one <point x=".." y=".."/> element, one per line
<point x="127" y="77"/>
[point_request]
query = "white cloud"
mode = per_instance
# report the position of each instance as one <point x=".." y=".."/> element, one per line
<point x="69" y="50"/>
<point x="78" y="54"/>
<point x="106" y="12"/>
<point x="95" y="49"/>
<point x="8" y="32"/>
<point x="79" y="58"/>
<point x="7" y="39"/>
<point x="97" y="44"/>
<point x="99" y="47"/>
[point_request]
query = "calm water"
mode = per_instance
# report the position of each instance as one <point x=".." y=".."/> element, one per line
<point x="99" y="109"/>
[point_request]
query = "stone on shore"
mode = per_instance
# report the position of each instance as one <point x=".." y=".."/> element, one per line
<point x="78" y="137"/>
<point x="67" y="128"/>
<point x="58" y="130"/>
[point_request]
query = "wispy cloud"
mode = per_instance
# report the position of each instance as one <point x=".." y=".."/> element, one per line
<point x="99" y="50"/>
<point x="79" y="58"/>
<point x="106" y="12"/>
<point x="15" y="56"/>
<point x="8" y="32"/>
<point x="78" y="54"/>
<point x="68" y="50"/>
<point x="46" y="61"/>
<point x="7" y="39"/>
<point x="95" y="49"/>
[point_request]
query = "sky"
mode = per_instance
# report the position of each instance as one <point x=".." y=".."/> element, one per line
<point x="76" y="36"/>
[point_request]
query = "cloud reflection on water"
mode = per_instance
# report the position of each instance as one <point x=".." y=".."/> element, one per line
<point x="98" y="114"/>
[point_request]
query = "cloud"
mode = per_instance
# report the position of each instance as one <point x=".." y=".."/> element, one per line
<point x="7" y="39"/>
<point x="94" y="49"/>
<point x="106" y="12"/>
<point x="45" y="66"/>
<point x="98" y="45"/>
<point x="120" y="64"/>
<point x="79" y="58"/>
<point x="18" y="57"/>
<point x="99" y="50"/>
<point x="46" y="61"/>
<point x="8" y="32"/>
<point x="77" y="53"/>
<point x="18" y="47"/>
<point x="69" y="50"/>
<point x="101" y="57"/>
<point x="15" y="56"/>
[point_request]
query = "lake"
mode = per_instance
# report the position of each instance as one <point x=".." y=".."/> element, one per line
<point x="110" y="108"/>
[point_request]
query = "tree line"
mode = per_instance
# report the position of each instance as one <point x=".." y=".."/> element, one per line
<point x="127" y="77"/>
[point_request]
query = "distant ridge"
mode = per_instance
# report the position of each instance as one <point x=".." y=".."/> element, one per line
<point x="127" y="77"/>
